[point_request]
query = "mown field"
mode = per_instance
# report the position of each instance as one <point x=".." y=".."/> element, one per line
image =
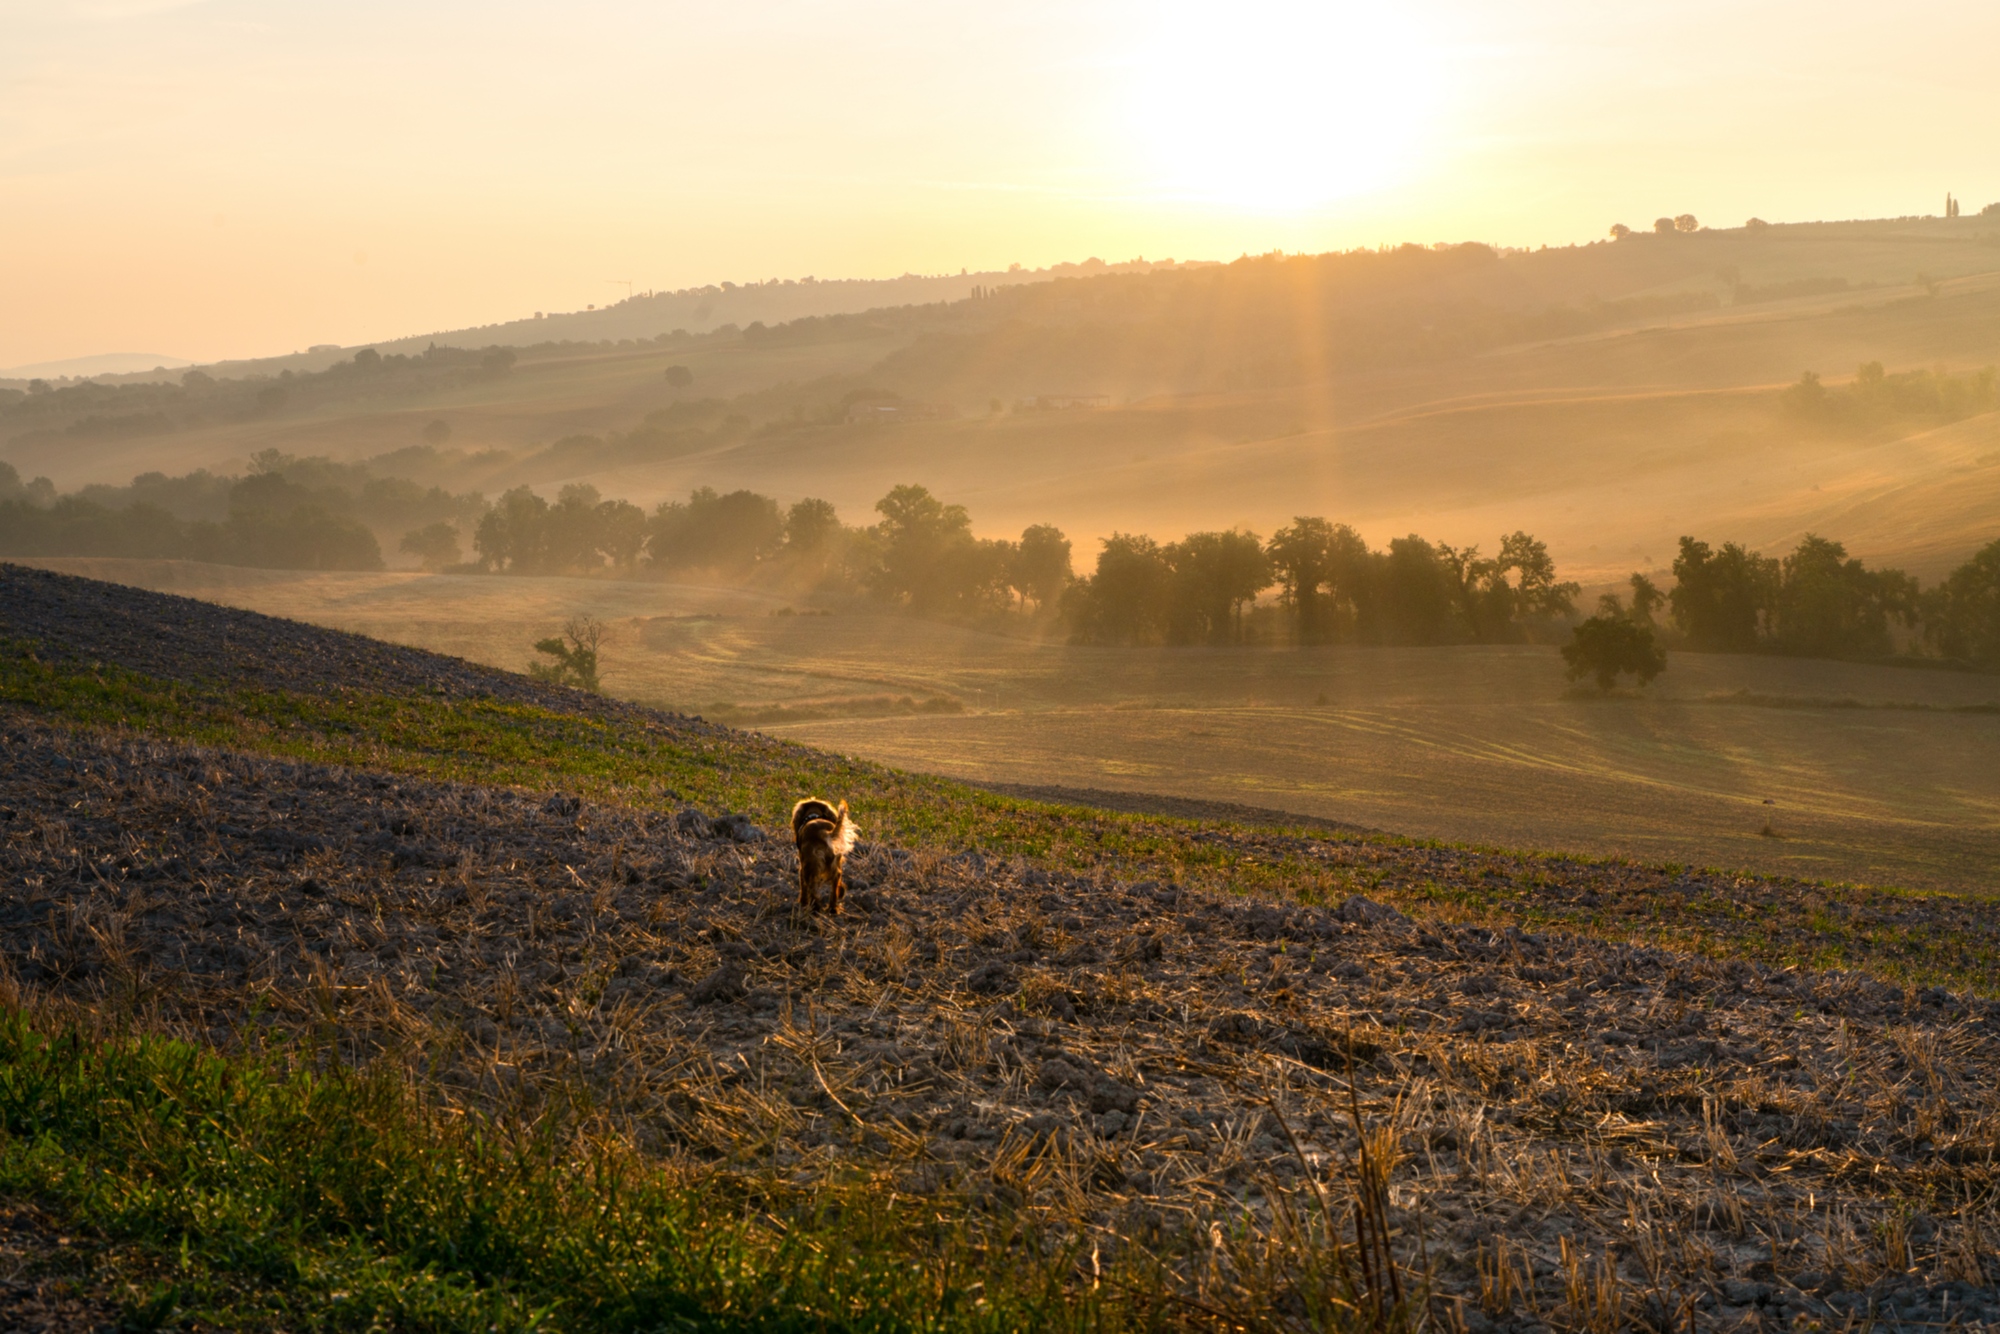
<point x="1825" y="770"/>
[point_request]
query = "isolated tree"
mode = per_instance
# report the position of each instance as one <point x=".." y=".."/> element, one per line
<point x="435" y="545"/>
<point x="1663" y="226"/>
<point x="1619" y="231"/>
<point x="678" y="377"/>
<point x="1041" y="566"/>
<point x="1608" y="647"/>
<point x="437" y="431"/>
<point x="1686" y="223"/>
<point x="573" y="654"/>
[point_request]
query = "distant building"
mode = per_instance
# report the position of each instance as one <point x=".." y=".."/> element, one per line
<point x="899" y="412"/>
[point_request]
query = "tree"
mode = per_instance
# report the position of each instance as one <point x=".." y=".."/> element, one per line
<point x="1829" y="606"/>
<point x="1215" y="575"/>
<point x="1327" y="576"/>
<point x="435" y="545"/>
<point x="1480" y="592"/>
<point x="570" y="530"/>
<point x="1962" y="614"/>
<point x="498" y="361"/>
<point x="1125" y="600"/>
<point x="725" y="532"/>
<point x="1646" y="599"/>
<point x="437" y="431"/>
<point x="1807" y="398"/>
<point x="1415" y="602"/>
<point x="574" y="652"/>
<point x="512" y="536"/>
<point x="1722" y="600"/>
<point x="1619" y="231"/>
<point x="1041" y="567"/>
<point x="1663" y="226"/>
<point x="678" y="377"/>
<point x="1537" y="592"/>
<point x="918" y="533"/>
<point x="810" y="524"/>
<point x="1686" y="223"/>
<point x="1607" y="647"/>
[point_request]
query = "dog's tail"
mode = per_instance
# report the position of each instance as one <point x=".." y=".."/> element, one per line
<point x="845" y="832"/>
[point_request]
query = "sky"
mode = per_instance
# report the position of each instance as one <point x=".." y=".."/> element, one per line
<point x="224" y="178"/>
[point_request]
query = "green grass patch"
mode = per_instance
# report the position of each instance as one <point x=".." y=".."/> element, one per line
<point x="261" y="1191"/>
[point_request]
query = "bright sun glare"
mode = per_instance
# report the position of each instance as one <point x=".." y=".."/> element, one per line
<point x="1279" y="106"/>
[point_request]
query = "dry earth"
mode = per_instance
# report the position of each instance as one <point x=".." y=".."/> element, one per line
<point x="1765" y="1143"/>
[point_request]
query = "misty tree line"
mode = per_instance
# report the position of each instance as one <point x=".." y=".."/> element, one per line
<point x="922" y="555"/>
<point x="1875" y="395"/>
<point x="1332" y="588"/>
<point x="91" y="410"/>
<point x="265" y="520"/>
<point x="1819" y="602"/>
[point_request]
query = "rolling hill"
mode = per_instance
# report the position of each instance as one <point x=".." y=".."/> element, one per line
<point x="1606" y="397"/>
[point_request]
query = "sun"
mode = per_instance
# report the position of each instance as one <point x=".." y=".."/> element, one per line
<point x="1276" y="106"/>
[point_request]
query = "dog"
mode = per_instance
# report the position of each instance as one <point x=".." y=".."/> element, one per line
<point x="825" y="836"/>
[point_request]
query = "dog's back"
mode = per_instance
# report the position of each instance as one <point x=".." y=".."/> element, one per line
<point x="825" y="836"/>
<point x="815" y="821"/>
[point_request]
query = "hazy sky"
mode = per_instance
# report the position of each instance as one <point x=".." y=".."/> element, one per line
<point x="209" y="178"/>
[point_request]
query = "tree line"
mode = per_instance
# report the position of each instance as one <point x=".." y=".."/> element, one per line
<point x="1332" y="588"/>
<point x="286" y="513"/>
<point x="1819" y="602"/>
<point x="271" y="523"/>
<point x="1874" y="395"/>
<point x="921" y="554"/>
<point x="89" y="409"/>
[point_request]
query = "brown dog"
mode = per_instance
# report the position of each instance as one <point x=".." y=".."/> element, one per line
<point x="825" y="836"/>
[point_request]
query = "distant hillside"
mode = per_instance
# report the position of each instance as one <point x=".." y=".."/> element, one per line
<point x="1606" y="397"/>
<point x="640" y="316"/>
